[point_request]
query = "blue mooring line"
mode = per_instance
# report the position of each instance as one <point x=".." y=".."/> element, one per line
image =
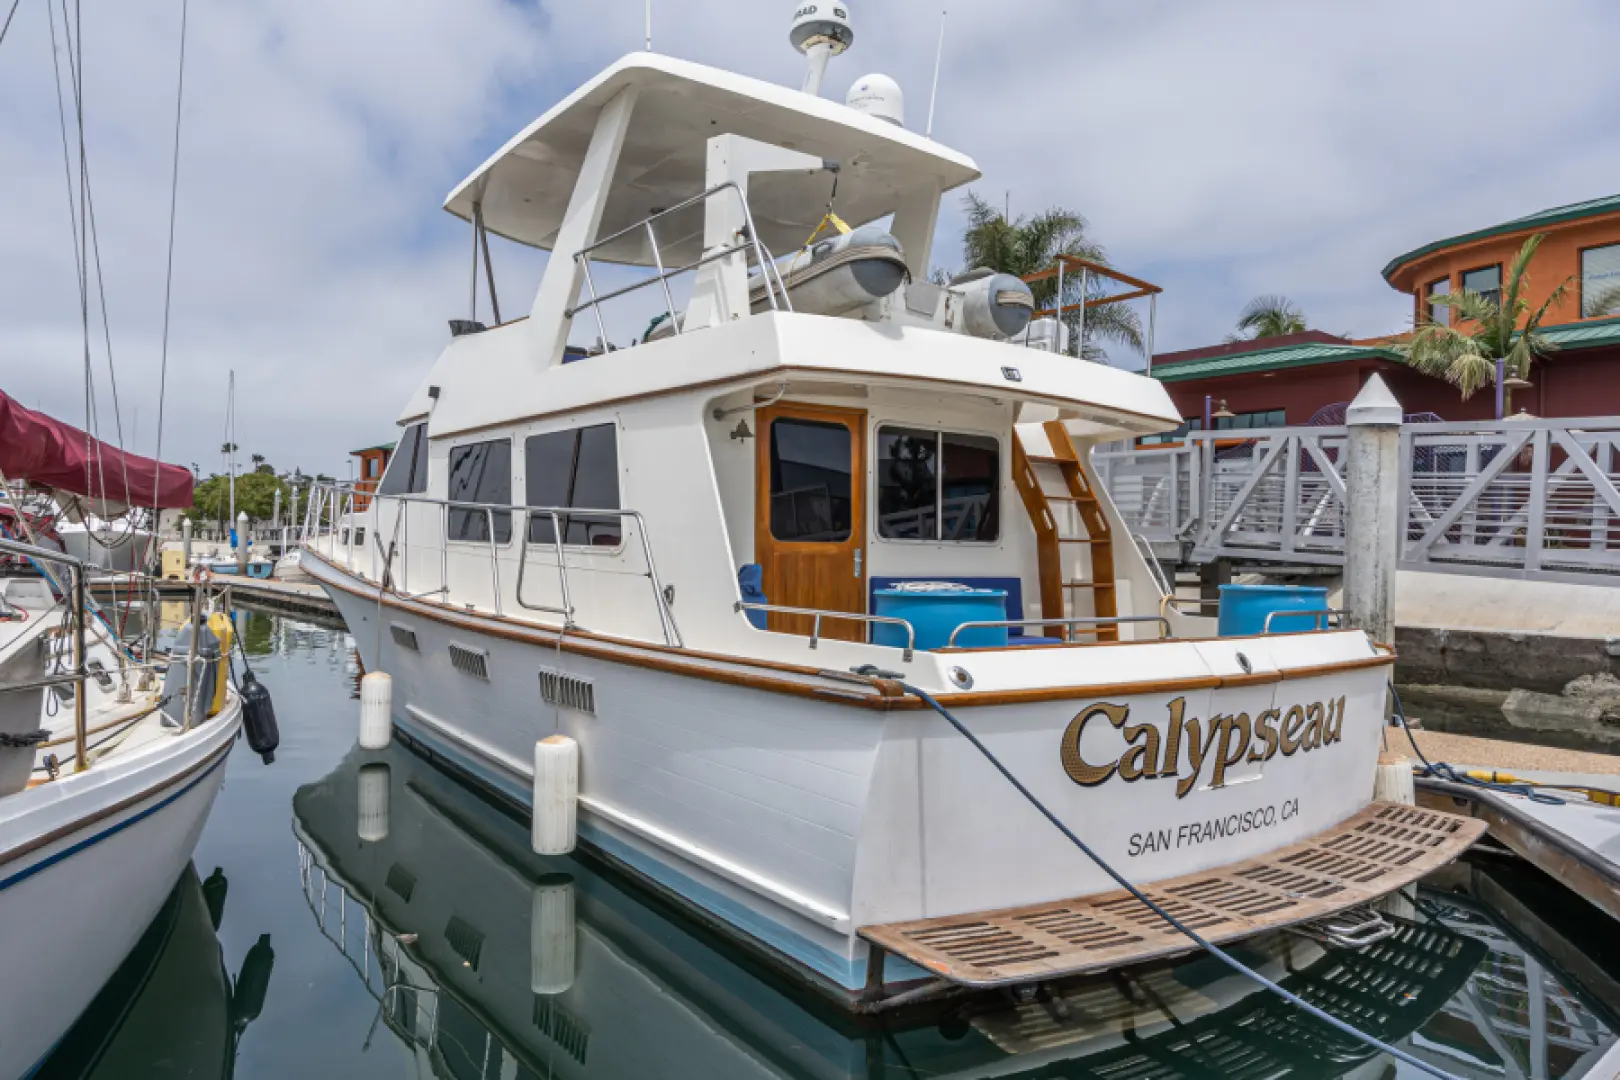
<point x="1219" y="954"/>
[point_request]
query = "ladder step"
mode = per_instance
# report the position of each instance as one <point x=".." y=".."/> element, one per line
<point x="1088" y="584"/>
<point x="1047" y="459"/>
<point x="1084" y="540"/>
<point x="1083" y="500"/>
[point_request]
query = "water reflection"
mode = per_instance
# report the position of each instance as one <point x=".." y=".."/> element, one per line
<point x="487" y="961"/>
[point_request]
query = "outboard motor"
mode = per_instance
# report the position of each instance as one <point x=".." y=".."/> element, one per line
<point x="259" y="717"/>
<point x="993" y="305"/>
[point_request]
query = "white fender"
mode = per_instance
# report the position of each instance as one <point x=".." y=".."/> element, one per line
<point x="376" y="709"/>
<point x="373" y="816"/>
<point x="551" y="938"/>
<point x="556" y="794"/>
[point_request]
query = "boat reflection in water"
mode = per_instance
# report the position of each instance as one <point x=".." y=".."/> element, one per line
<point x="171" y="1009"/>
<point x="487" y="960"/>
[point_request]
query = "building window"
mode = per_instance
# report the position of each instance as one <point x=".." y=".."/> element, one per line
<point x="578" y="467"/>
<point x="1600" y="281"/>
<point x="480" y="473"/>
<point x="812" y="467"/>
<point x="371" y="467"/>
<point x="1438" y="313"/>
<point x="407" y="469"/>
<point x="1487" y="281"/>
<point x="938" y="485"/>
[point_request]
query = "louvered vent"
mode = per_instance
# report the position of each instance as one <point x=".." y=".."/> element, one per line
<point x="568" y="691"/>
<point x="401" y="881"/>
<point x="474" y="662"/>
<point x="562" y="1027"/>
<point x="404" y="637"/>
<point x="467" y="941"/>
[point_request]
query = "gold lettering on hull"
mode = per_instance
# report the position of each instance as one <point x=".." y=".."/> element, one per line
<point x="1227" y="741"/>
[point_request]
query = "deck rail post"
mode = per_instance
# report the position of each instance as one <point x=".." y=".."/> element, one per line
<point x="1373" y="519"/>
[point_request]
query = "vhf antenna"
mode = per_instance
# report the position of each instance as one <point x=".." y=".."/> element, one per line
<point x="933" y="94"/>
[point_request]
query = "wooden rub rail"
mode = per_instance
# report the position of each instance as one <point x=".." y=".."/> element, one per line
<point x="1377" y="851"/>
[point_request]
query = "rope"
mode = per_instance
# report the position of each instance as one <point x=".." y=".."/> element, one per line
<point x="1443" y="771"/>
<point x="1191" y="934"/>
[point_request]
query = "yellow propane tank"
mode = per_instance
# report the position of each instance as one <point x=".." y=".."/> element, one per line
<point x="220" y="623"/>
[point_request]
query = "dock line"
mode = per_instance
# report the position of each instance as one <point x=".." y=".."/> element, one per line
<point x="1441" y="770"/>
<point x="1191" y="934"/>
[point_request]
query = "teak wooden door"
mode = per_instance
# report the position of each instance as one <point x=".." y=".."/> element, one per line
<point x="809" y="519"/>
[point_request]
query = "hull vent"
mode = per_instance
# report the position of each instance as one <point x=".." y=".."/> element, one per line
<point x="474" y="662"/>
<point x="568" y="691"/>
<point x="404" y="637"/>
<point x="562" y="1027"/>
<point x="465" y="939"/>
<point x="401" y="881"/>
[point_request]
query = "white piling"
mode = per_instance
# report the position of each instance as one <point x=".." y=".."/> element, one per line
<point x="376" y="710"/>
<point x="1372" y="511"/>
<point x="185" y="544"/>
<point x="241" y="543"/>
<point x="551" y="937"/>
<point x="373" y="813"/>
<point x="556" y="794"/>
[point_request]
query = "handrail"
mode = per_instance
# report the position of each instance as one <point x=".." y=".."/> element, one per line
<point x="854" y="616"/>
<point x="1067" y="624"/>
<point x="748" y="239"/>
<point x="1320" y="618"/>
<point x="332" y="495"/>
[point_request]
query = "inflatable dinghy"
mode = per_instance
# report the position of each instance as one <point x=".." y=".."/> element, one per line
<point x="839" y="274"/>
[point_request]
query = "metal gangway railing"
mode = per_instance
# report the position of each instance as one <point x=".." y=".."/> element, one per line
<point x="334" y="528"/>
<point x="1526" y="498"/>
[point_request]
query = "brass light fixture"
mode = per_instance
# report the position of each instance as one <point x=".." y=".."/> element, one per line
<point x="1223" y="413"/>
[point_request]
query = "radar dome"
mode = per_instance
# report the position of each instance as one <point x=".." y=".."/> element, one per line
<point x="879" y="96"/>
<point x="820" y="22"/>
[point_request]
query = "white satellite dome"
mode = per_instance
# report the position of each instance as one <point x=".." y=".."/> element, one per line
<point x="879" y="96"/>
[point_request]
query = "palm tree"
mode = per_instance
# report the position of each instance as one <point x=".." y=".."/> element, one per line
<point x="1487" y="330"/>
<point x="1269" y="316"/>
<point x="1024" y="245"/>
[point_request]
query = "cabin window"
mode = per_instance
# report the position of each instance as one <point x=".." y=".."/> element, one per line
<point x="407" y="469"/>
<point x="480" y="473"/>
<point x="1600" y="281"/>
<point x="812" y="478"/>
<point x="1487" y="281"/>
<point x="938" y="485"/>
<point x="1439" y="313"/>
<point x="577" y="467"/>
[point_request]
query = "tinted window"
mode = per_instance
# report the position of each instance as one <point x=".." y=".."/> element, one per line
<point x="1439" y="313"/>
<point x="811" y="465"/>
<point x="938" y="485"/>
<point x="481" y="473"/>
<point x="1487" y="281"/>
<point x="578" y="467"/>
<point x="1600" y="281"/>
<point x="407" y="469"/>
<point x="908" y="483"/>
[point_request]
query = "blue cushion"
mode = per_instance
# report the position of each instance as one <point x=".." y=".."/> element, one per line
<point x="750" y="582"/>
<point x="1013" y="587"/>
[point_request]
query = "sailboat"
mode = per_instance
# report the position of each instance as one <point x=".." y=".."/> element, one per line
<point x="733" y="562"/>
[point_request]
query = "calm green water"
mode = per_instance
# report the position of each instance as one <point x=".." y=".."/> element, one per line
<point x="355" y="914"/>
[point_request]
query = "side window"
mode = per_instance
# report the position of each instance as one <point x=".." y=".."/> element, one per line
<point x="938" y="485"/>
<point x="812" y="467"/>
<point x="578" y="467"/>
<point x="407" y="469"/>
<point x="480" y="473"/>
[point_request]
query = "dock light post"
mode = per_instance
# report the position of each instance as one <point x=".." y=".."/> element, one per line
<point x="1501" y="373"/>
<point x="1372" y="510"/>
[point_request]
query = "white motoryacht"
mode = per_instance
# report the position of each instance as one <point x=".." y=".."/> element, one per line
<point x="722" y="558"/>
<point x="104" y="788"/>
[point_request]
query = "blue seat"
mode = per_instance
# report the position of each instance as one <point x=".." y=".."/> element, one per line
<point x="1013" y="587"/>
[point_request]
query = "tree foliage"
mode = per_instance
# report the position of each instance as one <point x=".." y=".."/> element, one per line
<point x="1025" y="245"/>
<point x="1269" y="316"/>
<point x="1488" y="329"/>
<point x="255" y="495"/>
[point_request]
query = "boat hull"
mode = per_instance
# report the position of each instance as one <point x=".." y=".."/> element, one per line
<point x="85" y="863"/>
<point x="118" y="550"/>
<point x="793" y="820"/>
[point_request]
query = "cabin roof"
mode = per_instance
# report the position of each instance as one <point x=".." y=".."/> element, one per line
<point x="524" y="187"/>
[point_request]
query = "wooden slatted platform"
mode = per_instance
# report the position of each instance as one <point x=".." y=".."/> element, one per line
<point x="1375" y="852"/>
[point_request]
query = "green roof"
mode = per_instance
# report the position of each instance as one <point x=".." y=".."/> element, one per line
<point x="1586" y="334"/>
<point x="379" y="446"/>
<point x="1275" y="359"/>
<point x="1573" y="212"/>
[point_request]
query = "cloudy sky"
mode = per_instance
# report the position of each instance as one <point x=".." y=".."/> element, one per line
<point x="1223" y="150"/>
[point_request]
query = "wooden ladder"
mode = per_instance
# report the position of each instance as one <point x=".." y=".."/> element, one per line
<point x="1052" y="544"/>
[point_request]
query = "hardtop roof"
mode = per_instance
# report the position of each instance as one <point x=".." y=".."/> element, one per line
<point x="524" y="187"/>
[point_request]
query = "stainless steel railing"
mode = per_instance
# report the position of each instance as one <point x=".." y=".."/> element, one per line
<point x="749" y="240"/>
<point x="1067" y="624"/>
<point x="817" y="614"/>
<point x="331" y="508"/>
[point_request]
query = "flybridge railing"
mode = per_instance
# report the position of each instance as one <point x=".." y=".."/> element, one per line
<point x="747" y="240"/>
<point x="1524" y="498"/>
<point x="332" y="527"/>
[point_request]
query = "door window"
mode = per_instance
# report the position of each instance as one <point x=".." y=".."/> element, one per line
<point x="480" y="473"/>
<point x="811" y="481"/>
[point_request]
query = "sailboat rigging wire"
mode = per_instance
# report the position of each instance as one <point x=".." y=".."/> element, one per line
<point x="1214" y="950"/>
<point x="168" y="270"/>
<point x="9" y="16"/>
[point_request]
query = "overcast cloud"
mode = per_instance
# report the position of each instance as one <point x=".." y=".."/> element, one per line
<point x="1221" y="150"/>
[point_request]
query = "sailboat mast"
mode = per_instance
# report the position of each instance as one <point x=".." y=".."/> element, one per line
<point x="230" y="445"/>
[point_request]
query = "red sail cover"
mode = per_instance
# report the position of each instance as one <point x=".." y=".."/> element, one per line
<point x="49" y="453"/>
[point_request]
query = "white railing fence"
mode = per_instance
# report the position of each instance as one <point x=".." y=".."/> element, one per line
<point x="1520" y="498"/>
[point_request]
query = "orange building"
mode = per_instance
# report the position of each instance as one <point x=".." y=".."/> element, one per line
<point x="1285" y="381"/>
<point x="373" y="460"/>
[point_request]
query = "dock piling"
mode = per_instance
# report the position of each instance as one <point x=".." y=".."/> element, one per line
<point x="1372" y="509"/>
